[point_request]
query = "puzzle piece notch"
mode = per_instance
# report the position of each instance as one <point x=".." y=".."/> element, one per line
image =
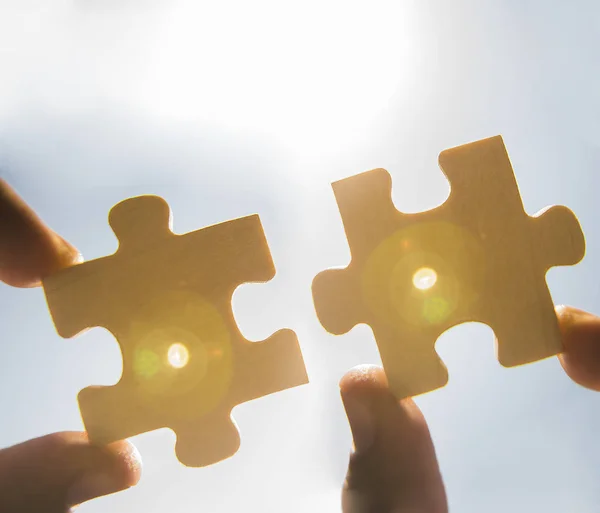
<point x="161" y="289"/>
<point x="481" y="170"/>
<point x="488" y="255"/>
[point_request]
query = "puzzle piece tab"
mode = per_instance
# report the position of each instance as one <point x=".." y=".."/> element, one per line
<point x="478" y="257"/>
<point x="167" y="300"/>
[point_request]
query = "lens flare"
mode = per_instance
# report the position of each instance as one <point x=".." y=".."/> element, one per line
<point x="424" y="278"/>
<point x="146" y="363"/>
<point x="178" y="356"/>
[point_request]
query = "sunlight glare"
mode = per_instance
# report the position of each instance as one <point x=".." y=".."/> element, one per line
<point x="424" y="278"/>
<point x="291" y="78"/>
<point x="178" y="356"/>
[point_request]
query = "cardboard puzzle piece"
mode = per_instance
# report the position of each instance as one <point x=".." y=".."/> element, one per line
<point x="477" y="257"/>
<point x="167" y="300"/>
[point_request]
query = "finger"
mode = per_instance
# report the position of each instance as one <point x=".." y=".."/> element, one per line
<point x="581" y="340"/>
<point x="29" y="250"/>
<point x="394" y="467"/>
<point x="55" y="472"/>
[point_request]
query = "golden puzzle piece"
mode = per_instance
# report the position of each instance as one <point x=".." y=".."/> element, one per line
<point x="167" y="300"/>
<point x="478" y="257"/>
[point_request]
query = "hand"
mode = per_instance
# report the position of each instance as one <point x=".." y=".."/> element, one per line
<point x="394" y="467"/>
<point x="55" y="472"/>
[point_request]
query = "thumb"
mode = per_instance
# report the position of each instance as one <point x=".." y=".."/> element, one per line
<point x="394" y="467"/>
<point x="581" y="341"/>
<point x="55" y="472"/>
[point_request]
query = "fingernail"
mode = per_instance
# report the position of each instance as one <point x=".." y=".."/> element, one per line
<point x="90" y="486"/>
<point x="361" y="421"/>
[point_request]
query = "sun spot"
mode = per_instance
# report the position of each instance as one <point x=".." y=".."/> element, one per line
<point x="424" y="278"/>
<point x="178" y="355"/>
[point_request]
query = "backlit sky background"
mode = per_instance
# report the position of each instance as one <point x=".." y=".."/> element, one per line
<point x="230" y="108"/>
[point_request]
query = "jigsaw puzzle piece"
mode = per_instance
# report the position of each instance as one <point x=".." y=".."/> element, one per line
<point x="523" y="318"/>
<point x="515" y="300"/>
<point x="214" y="439"/>
<point x="238" y="248"/>
<point x="368" y="213"/>
<point x="337" y="301"/>
<point x="527" y="330"/>
<point x="201" y="439"/>
<point x="411" y="363"/>
<point x="173" y="372"/>
<point x="166" y="298"/>
<point x="115" y="413"/>
<point x="482" y="183"/>
<point x="365" y="202"/>
<point x="72" y="307"/>
<point x="477" y="257"/>
<point x="558" y="236"/>
<point x="270" y="366"/>
<point x="141" y="223"/>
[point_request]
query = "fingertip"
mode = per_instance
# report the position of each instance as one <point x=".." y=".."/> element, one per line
<point x="66" y="254"/>
<point x="128" y="463"/>
<point x="570" y="317"/>
<point x="64" y="469"/>
<point x="51" y="255"/>
<point x="29" y="250"/>
<point x="581" y="346"/>
<point x="372" y="408"/>
<point x="363" y="379"/>
<point x="369" y="384"/>
<point x="356" y="390"/>
<point x="121" y="471"/>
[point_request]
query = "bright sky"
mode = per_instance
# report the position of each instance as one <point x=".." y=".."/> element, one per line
<point x="230" y="108"/>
